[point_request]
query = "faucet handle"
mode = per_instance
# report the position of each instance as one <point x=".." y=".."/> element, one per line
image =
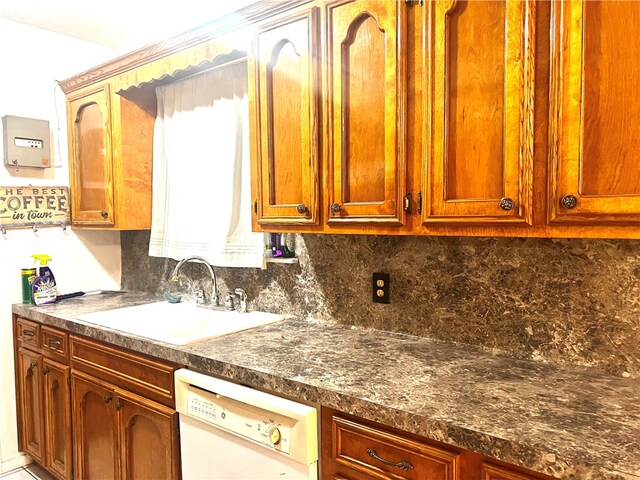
<point x="242" y="307"/>
<point x="200" y="296"/>
<point x="228" y="301"/>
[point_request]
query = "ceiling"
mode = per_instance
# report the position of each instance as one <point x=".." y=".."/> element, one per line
<point x="118" y="24"/>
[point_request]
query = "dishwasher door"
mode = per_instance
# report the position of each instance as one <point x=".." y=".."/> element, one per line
<point x="232" y="432"/>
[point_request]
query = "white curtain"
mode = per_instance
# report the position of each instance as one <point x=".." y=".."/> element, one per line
<point x="201" y="181"/>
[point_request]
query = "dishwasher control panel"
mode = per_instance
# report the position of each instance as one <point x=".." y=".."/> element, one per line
<point x="250" y="422"/>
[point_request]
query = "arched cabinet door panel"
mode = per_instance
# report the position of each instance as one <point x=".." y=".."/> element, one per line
<point x="594" y="132"/>
<point x="57" y="417"/>
<point x="478" y="137"/>
<point x="30" y="398"/>
<point x="95" y="438"/>
<point x="91" y="158"/>
<point x="284" y="85"/>
<point x="365" y="95"/>
<point x="146" y="426"/>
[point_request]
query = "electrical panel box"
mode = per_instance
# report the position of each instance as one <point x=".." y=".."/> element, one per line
<point x="26" y="142"/>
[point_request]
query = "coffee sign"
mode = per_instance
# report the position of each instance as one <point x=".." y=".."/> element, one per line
<point x="28" y="206"/>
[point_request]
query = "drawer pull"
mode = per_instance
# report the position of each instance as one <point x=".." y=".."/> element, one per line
<point x="28" y="333"/>
<point x="403" y="465"/>
<point x="54" y="343"/>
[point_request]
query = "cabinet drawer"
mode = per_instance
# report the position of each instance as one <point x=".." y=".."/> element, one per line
<point x="28" y="333"/>
<point x="55" y="344"/>
<point x="385" y="455"/>
<point x="146" y="377"/>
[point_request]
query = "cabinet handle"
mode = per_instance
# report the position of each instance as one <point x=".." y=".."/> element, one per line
<point x="107" y="398"/>
<point x="569" y="201"/>
<point x="45" y="371"/>
<point x="403" y="465"/>
<point x="33" y="365"/>
<point x="335" y="207"/>
<point x="28" y="333"/>
<point x="53" y="343"/>
<point x="507" y="204"/>
<point x="302" y="209"/>
<point x="119" y="406"/>
<point x="104" y="214"/>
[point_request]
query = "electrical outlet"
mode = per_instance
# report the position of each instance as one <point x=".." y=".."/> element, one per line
<point x="380" y="285"/>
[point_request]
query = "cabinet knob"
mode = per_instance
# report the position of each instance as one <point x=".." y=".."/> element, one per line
<point x="507" y="204"/>
<point x="107" y="398"/>
<point x="569" y="201"/>
<point x="302" y="209"/>
<point x="335" y="207"/>
<point x="119" y="406"/>
<point x="33" y="365"/>
<point x="45" y="371"/>
<point x="104" y="214"/>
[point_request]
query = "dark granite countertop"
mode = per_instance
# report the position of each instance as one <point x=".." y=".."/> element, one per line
<point x="572" y="423"/>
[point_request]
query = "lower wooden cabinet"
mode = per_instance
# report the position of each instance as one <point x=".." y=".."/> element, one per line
<point x="358" y="449"/>
<point x="57" y="417"/>
<point x="95" y="435"/>
<point x="42" y="392"/>
<point x="496" y="472"/>
<point x="145" y="426"/>
<point x="121" y="435"/>
<point x="29" y="365"/>
<point x="81" y="409"/>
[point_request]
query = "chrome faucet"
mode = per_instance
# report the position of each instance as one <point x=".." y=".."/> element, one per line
<point x="194" y="258"/>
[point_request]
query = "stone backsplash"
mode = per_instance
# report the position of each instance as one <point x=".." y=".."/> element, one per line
<point x="569" y="301"/>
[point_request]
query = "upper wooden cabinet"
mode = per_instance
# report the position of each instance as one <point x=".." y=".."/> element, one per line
<point x="362" y="65"/>
<point x="442" y="117"/>
<point x="479" y="137"/>
<point x="91" y="157"/>
<point x="365" y="91"/>
<point x="594" y="127"/>
<point x="284" y="80"/>
<point x="110" y="145"/>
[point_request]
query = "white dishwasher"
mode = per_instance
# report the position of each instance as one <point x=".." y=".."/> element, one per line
<point x="232" y="432"/>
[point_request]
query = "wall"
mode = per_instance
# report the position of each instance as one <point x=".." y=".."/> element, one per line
<point x="567" y="301"/>
<point x="31" y="59"/>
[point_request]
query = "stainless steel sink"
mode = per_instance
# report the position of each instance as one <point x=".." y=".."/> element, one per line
<point x="178" y="323"/>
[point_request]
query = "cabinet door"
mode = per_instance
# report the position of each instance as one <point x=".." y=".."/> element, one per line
<point x="94" y="429"/>
<point x="145" y="426"/>
<point x="479" y="106"/>
<point x="90" y="172"/>
<point x="57" y="417"/>
<point x="365" y="96"/>
<point x="594" y="127"/>
<point x="495" y="472"/>
<point x="285" y="79"/>
<point x="30" y="398"/>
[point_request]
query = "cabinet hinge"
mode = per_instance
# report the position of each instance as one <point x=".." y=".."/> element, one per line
<point x="407" y="203"/>
<point x="411" y="3"/>
<point x="255" y="207"/>
<point x="419" y="202"/>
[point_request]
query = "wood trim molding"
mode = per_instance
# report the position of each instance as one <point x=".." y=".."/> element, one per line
<point x="233" y="21"/>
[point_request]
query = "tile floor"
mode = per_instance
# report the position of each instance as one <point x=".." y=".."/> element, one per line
<point x="30" y="472"/>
